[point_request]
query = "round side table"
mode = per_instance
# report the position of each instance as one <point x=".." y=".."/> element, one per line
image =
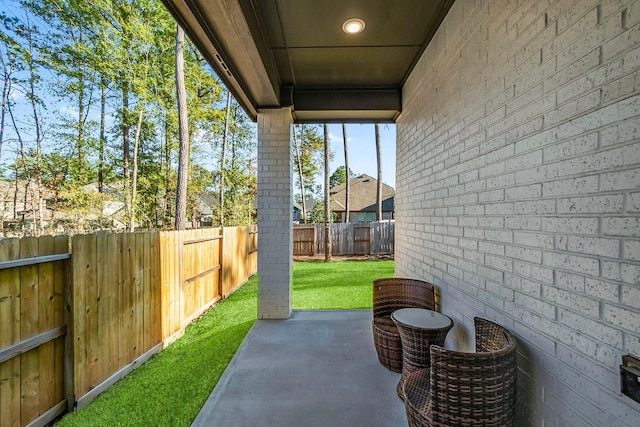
<point x="418" y="329"/>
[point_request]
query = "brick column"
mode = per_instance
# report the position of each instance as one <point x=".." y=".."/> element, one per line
<point x="275" y="211"/>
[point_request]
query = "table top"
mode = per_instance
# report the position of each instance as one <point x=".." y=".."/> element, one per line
<point x="421" y="318"/>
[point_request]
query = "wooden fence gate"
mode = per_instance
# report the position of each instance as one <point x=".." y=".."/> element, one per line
<point x="362" y="240"/>
<point x="304" y="240"/>
<point x="373" y="238"/>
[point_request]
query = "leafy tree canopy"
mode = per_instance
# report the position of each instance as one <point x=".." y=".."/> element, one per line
<point x="340" y="177"/>
<point x="90" y="99"/>
<point x="311" y="148"/>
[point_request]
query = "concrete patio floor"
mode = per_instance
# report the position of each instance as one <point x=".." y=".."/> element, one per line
<point x="319" y="368"/>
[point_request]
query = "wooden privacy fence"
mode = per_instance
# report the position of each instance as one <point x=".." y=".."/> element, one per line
<point x="78" y="314"/>
<point x="34" y="382"/>
<point x="373" y="238"/>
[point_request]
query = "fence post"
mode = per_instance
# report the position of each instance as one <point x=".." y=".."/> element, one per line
<point x="69" y="385"/>
<point x="221" y="279"/>
<point x="181" y="239"/>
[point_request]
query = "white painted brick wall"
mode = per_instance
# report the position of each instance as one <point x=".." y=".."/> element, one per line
<point x="518" y="192"/>
<point x="275" y="214"/>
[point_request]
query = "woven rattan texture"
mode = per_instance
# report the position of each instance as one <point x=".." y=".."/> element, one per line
<point x="389" y="295"/>
<point x="466" y="389"/>
<point x="416" y="343"/>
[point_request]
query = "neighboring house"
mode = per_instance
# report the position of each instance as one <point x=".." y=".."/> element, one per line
<point x="111" y="212"/>
<point x="362" y="200"/>
<point x="205" y="205"/>
<point x="297" y="210"/>
<point x="17" y="204"/>
<point x="19" y="213"/>
<point x="297" y="213"/>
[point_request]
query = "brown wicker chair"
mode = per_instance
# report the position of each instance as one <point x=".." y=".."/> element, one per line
<point x="391" y="294"/>
<point x="466" y="389"/>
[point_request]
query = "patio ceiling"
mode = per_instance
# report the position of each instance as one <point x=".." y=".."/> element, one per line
<point x="277" y="53"/>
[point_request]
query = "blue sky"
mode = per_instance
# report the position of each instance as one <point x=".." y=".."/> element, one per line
<point x="362" y="149"/>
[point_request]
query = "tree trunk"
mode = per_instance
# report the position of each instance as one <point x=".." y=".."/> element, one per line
<point x="347" y="174"/>
<point x="103" y="138"/>
<point x="222" y="155"/>
<point x="126" y="174"/>
<point x="166" y="168"/>
<point x="6" y="86"/>
<point x="234" y="158"/>
<point x="379" y="186"/>
<point x="134" y="181"/>
<point x="327" y="211"/>
<point x="79" y="142"/>
<point x="27" y="191"/>
<point x="304" y="203"/>
<point x="37" y="193"/>
<point x="183" y="131"/>
<point x="84" y="101"/>
<point x="167" y="171"/>
<point x="15" y="193"/>
<point x="22" y="157"/>
<point x="27" y="173"/>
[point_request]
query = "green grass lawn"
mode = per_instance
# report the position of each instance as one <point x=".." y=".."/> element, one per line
<point x="340" y="284"/>
<point x="170" y="389"/>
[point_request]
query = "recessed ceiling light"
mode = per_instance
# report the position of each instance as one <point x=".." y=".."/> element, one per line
<point x="353" y="26"/>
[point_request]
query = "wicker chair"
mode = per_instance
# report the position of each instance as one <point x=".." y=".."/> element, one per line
<point x="466" y="389"/>
<point x="391" y="294"/>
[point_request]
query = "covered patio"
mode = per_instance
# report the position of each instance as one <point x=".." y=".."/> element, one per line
<point x="318" y="368"/>
<point x="517" y="159"/>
